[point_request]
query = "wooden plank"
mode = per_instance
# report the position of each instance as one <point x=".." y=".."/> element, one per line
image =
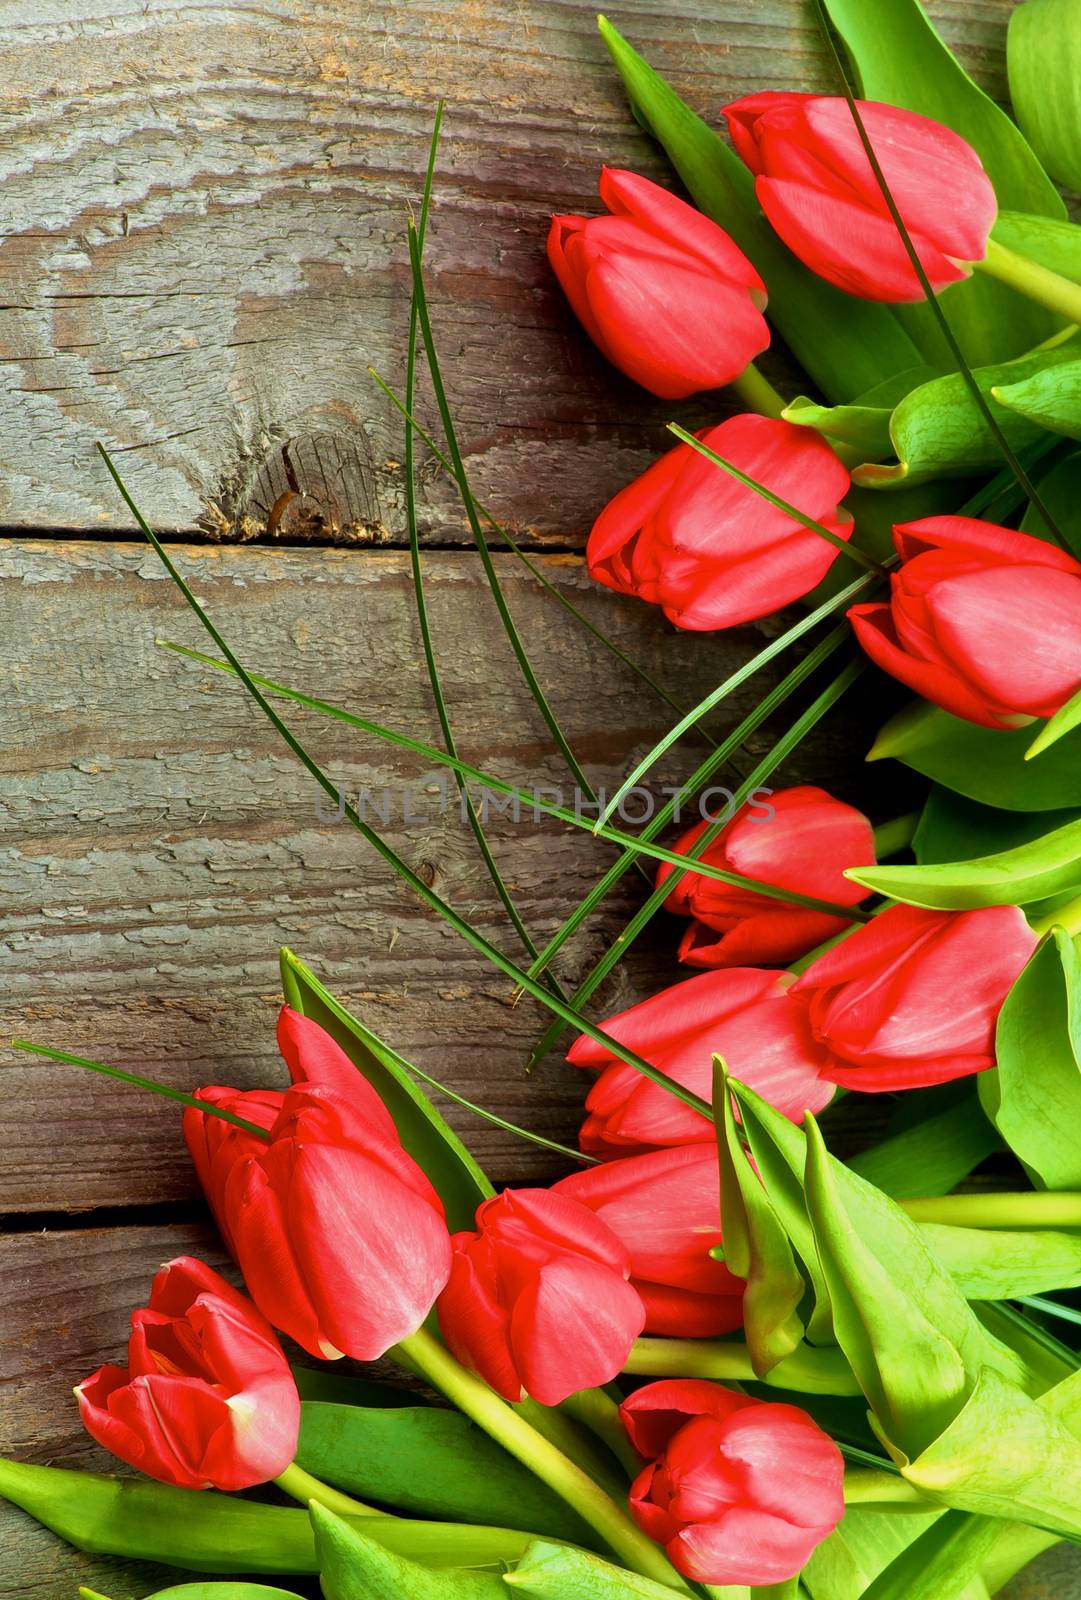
<point x="161" y="844"/>
<point x="203" y="247"/>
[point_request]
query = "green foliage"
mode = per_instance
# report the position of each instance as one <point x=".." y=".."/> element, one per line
<point x="552" y="1572"/>
<point x="355" y="1567"/>
<point x="1050" y="397"/>
<point x="208" y="1591"/>
<point x="1060" y="491"/>
<point x="458" y="1179"/>
<point x="1033" y="1096"/>
<point x="1041" y="867"/>
<point x="846" y="345"/>
<point x="932" y="1156"/>
<point x="209" y="1532"/>
<point x="1043" y="56"/>
<point x="430" y="1462"/>
<point x="984" y="764"/>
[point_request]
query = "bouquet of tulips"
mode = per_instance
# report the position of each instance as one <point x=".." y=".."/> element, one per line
<point x="716" y="1359"/>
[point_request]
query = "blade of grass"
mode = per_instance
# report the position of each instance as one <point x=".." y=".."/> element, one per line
<point x="1040" y="1302"/>
<point x="135" y="1082"/>
<point x="978" y="397"/>
<point x="630" y="843"/>
<point x="775" y="648"/>
<point x="434" y="678"/>
<point x="502" y="532"/>
<point x="462" y="479"/>
<point x="428" y="895"/>
<point x="783" y="748"/>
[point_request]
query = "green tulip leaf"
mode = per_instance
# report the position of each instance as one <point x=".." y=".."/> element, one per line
<point x="1064" y="721"/>
<point x="351" y="1389"/>
<point x="429" y="1462"/>
<point x="209" y="1532"/>
<point x="846" y="345"/>
<point x="1033" y="1096"/>
<point x="932" y="1156"/>
<point x="1053" y="241"/>
<point x="1045" y="866"/>
<point x="355" y="1567"/>
<point x="899" y="58"/>
<point x="953" y="828"/>
<point x="1051" y="398"/>
<point x="859" y="432"/>
<point x="943" y="1563"/>
<point x="436" y="1148"/>
<point x="864" y="1544"/>
<point x="1060" y="490"/>
<point x="209" y="1591"/>
<point x="938" y="430"/>
<point x="1043" y="57"/>
<point x="997" y="1264"/>
<point x="757" y="1247"/>
<point x="552" y="1572"/>
<point x="984" y="764"/>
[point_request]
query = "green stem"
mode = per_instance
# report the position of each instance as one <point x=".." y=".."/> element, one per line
<point x="1067" y="916"/>
<point x="303" y="1487"/>
<point x="473" y="1397"/>
<point x="1034" y="281"/>
<point x="758" y="393"/>
<point x="896" y="835"/>
<point x="869" y="1487"/>
<point x="598" y="1412"/>
<point x="1029" y="1208"/>
<point x="808" y="1370"/>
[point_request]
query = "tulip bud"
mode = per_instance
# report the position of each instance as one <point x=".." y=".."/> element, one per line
<point x="661" y="290"/>
<point x="912" y="998"/>
<point x="341" y="1239"/>
<point x="709" y="550"/>
<point x="538" y="1300"/>
<point x="748" y="1016"/>
<point x="738" y="1491"/>
<point x="803" y="841"/>
<point x="665" y="1210"/>
<point x="207" y="1399"/>
<point x="982" y="621"/>
<point x="818" y="190"/>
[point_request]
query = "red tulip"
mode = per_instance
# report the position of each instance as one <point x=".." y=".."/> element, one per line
<point x="912" y="998"/>
<point x="817" y="187"/>
<point x="710" y="551"/>
<point x="665" y="1209"/>
<point x="340" y="1237"/>
<point x="207" y="1400"/>
<point x="802" y="840"/>
<point x="662" y="291"/>
<point x="738" y="1491"/>
<point x="538" y="1301"/>
<point x="749" y="1017"/>
<point x="983" y="621"/>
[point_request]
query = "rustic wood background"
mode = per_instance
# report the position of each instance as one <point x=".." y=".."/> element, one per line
<point x="203" y="251"/>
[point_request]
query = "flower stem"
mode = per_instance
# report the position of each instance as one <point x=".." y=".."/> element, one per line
<point x="599" y="1413"/>
<point x="882" y="1489"/>
<point x="1029" y="1208"/>
<point x="1031" y="279"/>
<point x="808" y="1370"/>
<point x="303" y="1487"/>
<point x="473" y="1397"/>
<point x="896" y="835"/>
<point x="758" y="393"/>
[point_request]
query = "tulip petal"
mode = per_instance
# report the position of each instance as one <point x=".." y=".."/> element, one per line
<point x="654" y="1414"/>
<point x="743" y="1546"/>
<point x="984" y="540"/>
<point x="557" y="1349"/>
<point x="876" y="631"/>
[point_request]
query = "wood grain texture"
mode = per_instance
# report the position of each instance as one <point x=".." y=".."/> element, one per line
<point x="203" y="245"/>
<point x="161" y="843"/>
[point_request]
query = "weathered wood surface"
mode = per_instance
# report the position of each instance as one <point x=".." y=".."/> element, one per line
<point x="202" y="251"/>
<point x="203" y="245"/>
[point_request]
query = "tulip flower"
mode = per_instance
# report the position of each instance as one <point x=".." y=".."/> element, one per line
<point x="207" y="1400"/>
<point x="660" y="289"/>
<point x="665" y="1210"/>
<point x="538" y="1300"/>
<point x="737" y="1490"/>
<point x="913" y="997"/>
<point x="803" y="840"/>
<point x="983" y="621"/>
<point x="749" y="1017"/>
<point x="341" y="1238"/>
<point x="710" y="551"/>
<point x="817" y="187"/>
